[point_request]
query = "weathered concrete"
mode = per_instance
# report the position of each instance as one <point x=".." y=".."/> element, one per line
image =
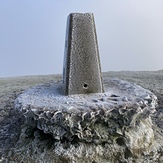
<point x="82" y="70"/>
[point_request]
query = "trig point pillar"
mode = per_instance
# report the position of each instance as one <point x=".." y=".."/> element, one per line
<point x="81" y="69"/>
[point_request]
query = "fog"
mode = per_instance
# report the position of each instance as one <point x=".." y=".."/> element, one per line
<point x="32" y="34"/>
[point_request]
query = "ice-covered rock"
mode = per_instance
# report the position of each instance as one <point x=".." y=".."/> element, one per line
<point x="98" y="126"/>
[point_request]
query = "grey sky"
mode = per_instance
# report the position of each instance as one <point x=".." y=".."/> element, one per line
<point x="32" y="34"/>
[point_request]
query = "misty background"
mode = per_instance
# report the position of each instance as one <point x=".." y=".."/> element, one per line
<point x="32" y="34"/>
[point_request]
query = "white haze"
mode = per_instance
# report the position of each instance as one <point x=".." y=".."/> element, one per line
<point x="32" y="34"/>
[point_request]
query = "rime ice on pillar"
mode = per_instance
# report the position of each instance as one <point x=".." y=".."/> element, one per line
<point x="82" y="69"/>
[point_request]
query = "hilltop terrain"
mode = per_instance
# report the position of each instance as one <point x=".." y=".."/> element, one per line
<point x="13" y="144"/>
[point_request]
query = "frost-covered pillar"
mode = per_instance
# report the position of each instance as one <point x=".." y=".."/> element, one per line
<point x="81" y="69"/>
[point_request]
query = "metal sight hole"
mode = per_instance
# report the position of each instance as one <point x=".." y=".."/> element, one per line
<point x="85" y="86"/>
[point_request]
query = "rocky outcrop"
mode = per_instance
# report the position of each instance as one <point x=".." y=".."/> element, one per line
<point x="107" y="127"/>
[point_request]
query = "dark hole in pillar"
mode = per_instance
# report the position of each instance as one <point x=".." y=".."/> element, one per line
<point x="85" y="86"/>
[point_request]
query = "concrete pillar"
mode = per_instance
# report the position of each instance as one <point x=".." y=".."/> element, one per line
<point x="82" y="69"/>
